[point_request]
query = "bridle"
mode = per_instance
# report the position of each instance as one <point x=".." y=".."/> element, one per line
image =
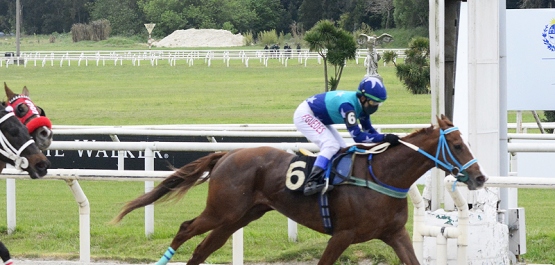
<point x="7" y="148"/>
<point x="457" y="170"/>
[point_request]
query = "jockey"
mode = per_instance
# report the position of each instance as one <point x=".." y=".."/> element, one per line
<point x="314" y="117"/>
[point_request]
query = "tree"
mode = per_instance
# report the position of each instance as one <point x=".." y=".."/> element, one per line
<point x="538" y="4"/>
<point x="310" y="12"/>
<point x="415" y="72"/>
<point x="334" y="45"/>
<point x="7" y="16"/>
<point x="268" y="15"/>
<point x="411" y="13"/>
<point x="167" y="14"/>
<point x="123" y="16"/>
<point x="48" y="16"/>
<point x="370" y="12"/>
<point x="384" y="8"/>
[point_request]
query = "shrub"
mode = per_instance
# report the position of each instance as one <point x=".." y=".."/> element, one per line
<point x="268" y="37"/>
<point x="248" y="38"/>
<point x="415" y="72"/>
<point x="96" y="30"/>
<point x="549" y="117"/>
<point x="390" y="57"/>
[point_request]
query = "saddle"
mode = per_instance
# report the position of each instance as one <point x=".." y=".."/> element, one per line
<point x="339" y="171"/>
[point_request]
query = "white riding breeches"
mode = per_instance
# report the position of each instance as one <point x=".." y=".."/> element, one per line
<point x="326" y="137"/>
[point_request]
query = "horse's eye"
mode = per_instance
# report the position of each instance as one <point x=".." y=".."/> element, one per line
<point x="458" y="147"/>
<point x="21" y="110"/>
<point x="13" y="131"/>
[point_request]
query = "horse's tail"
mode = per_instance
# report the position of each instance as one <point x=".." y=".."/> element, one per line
<point x="176" y="185"/>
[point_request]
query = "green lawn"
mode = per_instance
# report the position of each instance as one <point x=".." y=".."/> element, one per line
<point x="141" y="95"/>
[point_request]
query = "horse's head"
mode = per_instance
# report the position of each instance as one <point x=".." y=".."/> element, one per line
<point x="34" y="118"/>
<point x="17" y="148"/>
<point x="456" y="156"/>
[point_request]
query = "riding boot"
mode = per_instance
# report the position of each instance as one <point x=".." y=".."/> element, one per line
<point x="313" y="184"/>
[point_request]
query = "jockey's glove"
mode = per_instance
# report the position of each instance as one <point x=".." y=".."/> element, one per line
<point x="392" y="139"/>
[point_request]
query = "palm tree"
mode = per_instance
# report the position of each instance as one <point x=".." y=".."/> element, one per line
<point x="334" y="45"/>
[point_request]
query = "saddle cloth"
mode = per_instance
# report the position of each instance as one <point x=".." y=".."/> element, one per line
<point x="300" y="167"/>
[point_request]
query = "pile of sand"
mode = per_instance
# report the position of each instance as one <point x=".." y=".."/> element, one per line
<point x="200" y="38"/>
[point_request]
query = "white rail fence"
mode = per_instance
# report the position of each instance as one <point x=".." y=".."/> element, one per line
<point x="172" y="57"/>
<point x="211" y="131"/>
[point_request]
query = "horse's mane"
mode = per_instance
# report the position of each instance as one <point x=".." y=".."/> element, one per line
<point x="426" y="130"/>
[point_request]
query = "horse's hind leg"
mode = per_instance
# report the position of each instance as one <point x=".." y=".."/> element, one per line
<point x="217" y="238"/>
<point x="336" y="246"/>
<point x="402" y="245"/>
<point x="187" y="230"/>
<point x="206" y="221"/>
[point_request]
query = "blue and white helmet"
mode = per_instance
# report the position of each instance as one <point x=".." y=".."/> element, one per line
<point x="372" y="88"/>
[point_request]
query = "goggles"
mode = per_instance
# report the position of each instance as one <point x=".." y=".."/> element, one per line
<point x="373" y="103"/>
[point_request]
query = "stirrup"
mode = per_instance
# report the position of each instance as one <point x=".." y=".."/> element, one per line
<point x="316" y="188"/>
<point x="327" y="187"/>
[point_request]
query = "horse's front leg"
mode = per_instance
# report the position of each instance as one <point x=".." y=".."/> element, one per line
<point x="336" y="246"/>
<point x="402" y="245"/>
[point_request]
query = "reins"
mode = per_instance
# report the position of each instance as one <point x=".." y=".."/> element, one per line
<point x="459" y="171"/>
<point x="11" y="152"/>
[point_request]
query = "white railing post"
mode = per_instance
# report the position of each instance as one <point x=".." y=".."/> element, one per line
<point x="292" y="230"/>
<point x="149" y="185"/>
<point x="418" y="222"/>
<point x="292" y="225"/>
<point x="237" y="247"/>
<point x="84" y="220"/>
<point x="11" y="211"/>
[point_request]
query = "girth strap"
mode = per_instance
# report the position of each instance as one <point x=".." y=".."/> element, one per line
<point x="381" y="189"/>
<point x="325" y="212"/>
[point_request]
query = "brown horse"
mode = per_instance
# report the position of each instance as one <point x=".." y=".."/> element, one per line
<point x="246" y="183"/>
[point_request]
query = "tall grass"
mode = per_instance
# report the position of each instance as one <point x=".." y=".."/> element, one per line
<point x="182" y="94"/>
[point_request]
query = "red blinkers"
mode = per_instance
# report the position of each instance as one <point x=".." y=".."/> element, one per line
<point x="26" y="111"/>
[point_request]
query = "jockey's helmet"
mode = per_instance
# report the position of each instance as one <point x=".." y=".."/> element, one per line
<point x="373" y="89"/>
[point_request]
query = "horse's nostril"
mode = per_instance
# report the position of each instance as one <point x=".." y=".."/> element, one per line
<point x="42" y="166"/>
<point x="481" y="179"/>
<point x="45" y="133"/>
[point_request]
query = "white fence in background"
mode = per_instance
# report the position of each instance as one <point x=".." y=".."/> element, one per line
<point x="210" y="131"/>
<point x="172" y="57"/>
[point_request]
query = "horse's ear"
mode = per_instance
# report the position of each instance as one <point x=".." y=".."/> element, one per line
<point x="25" y="91"/>
<point x="441" y="122"/>
<point x="9" y="93"/>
